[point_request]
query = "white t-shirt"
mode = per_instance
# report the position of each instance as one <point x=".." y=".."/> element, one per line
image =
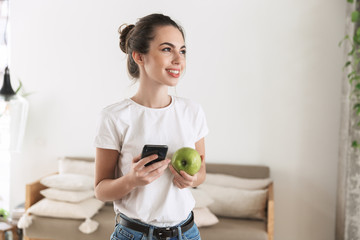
<point x="126" y="127"/>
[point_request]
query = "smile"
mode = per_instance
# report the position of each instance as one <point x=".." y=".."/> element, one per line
<point x="174" y="71"/>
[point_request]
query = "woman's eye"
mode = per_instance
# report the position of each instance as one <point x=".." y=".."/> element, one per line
<point x="183" y="52"/>
<point x="166" y="49"/>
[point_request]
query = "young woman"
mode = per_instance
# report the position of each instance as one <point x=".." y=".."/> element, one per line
<point x="150" y="202"/>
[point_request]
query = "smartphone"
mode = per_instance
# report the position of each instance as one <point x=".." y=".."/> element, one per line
<point x="160" y="150"/>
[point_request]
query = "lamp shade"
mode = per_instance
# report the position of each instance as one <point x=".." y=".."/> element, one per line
<point x="13" y="115"/>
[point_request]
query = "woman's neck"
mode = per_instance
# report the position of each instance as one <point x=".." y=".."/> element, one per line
<point x="152" y="96"/>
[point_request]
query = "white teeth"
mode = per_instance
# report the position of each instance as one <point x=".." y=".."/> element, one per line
<point x="174" y="71"/>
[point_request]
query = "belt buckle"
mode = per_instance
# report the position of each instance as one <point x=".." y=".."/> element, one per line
<point x="164" y="233"/>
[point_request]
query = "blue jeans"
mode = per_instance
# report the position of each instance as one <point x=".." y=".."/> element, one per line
<point x="124" y="233"/>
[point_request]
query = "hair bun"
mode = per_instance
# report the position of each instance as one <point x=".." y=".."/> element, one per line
<point x="124" y="36"/>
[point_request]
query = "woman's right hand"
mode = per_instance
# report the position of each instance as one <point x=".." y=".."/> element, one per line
<point x="141" y="175"/>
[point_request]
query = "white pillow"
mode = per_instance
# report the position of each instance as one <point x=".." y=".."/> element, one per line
<point x="203" y="217"/>
<point x="233" y="202"/>
<point x="50" y="208"/>
<point x="68" y="165"/>
<point x="67" y="196"/>
<point x="237" y="182"/>
<point x="68" y="181"/>
<point x="202" y="199"/>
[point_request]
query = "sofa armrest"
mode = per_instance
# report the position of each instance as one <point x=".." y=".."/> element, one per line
<point x="270" y="212"/>
<point x="32" y="193"/>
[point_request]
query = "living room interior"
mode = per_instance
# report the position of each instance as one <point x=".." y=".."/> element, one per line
<point x="269" y="75"/>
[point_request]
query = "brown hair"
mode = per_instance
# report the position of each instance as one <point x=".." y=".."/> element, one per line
<point x="138" y="37"/>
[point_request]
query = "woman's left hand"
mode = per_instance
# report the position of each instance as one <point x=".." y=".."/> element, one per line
<point x="182" y="179"/>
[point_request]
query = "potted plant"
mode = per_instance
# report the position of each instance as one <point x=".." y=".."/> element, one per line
<point x="3" y="214"/>
<point x="352" y="66"/>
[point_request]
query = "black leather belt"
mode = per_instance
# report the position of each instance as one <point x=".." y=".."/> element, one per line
<point x="161" y="233"/>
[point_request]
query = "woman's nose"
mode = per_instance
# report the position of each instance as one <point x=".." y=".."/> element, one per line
<point x="177" y="58"/>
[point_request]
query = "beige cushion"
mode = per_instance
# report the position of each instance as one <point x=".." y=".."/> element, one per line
<point x="73" y="182"/>
<point x="237" y="182"/>
<point x="204" y="217"/>
<point x="202" y="199"/>
<point x="51" y="208"/>
<point x="76" y="166"/>
<point x="233" y="202"/>
<point x="67" y="196"/>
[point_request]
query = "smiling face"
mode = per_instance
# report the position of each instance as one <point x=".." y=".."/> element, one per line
<point x="165" y="61"/>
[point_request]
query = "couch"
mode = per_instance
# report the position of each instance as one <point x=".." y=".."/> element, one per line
<point x="227" y="228"/>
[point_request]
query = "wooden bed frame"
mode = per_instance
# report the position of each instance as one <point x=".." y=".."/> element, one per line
<point x="270" y="212"/>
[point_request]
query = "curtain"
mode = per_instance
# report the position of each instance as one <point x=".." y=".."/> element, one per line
<point x="4" y="17"/>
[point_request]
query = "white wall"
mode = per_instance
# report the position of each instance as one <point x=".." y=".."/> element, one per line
<point x="268" y="74"/>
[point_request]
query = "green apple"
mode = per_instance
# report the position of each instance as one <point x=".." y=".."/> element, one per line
<point x="186" y="159"/>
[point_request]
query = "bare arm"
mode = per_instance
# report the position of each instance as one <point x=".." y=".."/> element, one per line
<point x="105" y="182"/>
<point x="184" y="180"/>
<point x="109" y="188"/>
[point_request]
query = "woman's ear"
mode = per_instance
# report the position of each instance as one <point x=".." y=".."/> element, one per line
<point x="138" y="58"/>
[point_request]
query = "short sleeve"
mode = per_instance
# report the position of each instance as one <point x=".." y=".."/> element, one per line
<point x="202" y="128"/>
<point x="107" y="135"/>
